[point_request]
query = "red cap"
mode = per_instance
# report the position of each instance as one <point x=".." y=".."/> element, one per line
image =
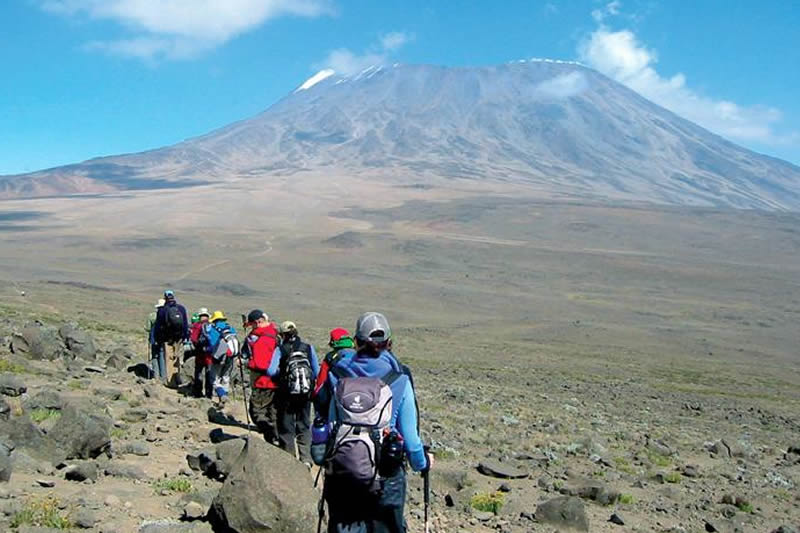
<point x="338" y="333"/>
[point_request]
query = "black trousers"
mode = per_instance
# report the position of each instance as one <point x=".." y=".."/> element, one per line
<point x="350" y="512"/>
<point x="263" y="413"/>
<point x="201" y="375"/>
<point x="294" y="428"/>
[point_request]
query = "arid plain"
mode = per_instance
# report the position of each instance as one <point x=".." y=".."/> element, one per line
<point x="562" y="336"/>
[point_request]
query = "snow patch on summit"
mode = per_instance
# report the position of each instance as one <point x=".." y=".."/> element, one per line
<point x="315" y="79"/>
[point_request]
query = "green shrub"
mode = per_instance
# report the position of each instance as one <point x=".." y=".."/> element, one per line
<point x="673" y="477"/>
<point x="8" y="366"/>
<point x="41" y="414"/>
<point x="490" y="502"/>
<point x="658" y="459"/>
<point x="76" y="384"/>
<point x="745" y="507"/>
<point x="173" y="485"/>
<point x="42" y="512"/>
<point x="626" y="499"/>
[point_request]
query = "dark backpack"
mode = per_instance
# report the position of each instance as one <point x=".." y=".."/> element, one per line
<point x="173" y="323"/>
<point x="298" y="378"/>
<point x="362" y="417"/>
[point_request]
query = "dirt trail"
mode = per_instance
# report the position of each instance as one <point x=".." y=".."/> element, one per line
<point x="267" y="249"/>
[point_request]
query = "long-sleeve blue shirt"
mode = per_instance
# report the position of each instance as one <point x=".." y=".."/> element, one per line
<point x="404" y="403"/>
<point x="276" y="364"/>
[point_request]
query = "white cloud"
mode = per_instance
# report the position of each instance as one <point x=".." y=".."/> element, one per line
<point x="177" y="29"/>
<point x="621" y="56"/>
<point x="395" y="40"/>
<point x="610" y="9"/>
<point x="563" y="86"/>
<point x="346" y="62"/>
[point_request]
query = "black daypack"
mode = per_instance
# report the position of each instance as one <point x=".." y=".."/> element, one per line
<point x="174" y="323"/>
<point x="298" y="378"/>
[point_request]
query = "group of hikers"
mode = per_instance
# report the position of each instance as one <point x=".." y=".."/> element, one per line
<point x="366" y="419"/>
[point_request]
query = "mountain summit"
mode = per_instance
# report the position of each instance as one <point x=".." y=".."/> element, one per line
<point x="558" y="126"/>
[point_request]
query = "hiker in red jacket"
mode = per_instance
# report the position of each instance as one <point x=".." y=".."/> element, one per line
<point x="259" y="350"/>
<point x="202" y="359"/>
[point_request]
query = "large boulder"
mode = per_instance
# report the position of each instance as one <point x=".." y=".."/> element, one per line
<point x="227" y="453"/>
<point x="37" y="342"/>
<point x="79" y="343"/>
<point x="116" y="362"/>
<point x="79" y="434"/>
<point x="565" y="512"/>
<point x="286" y="501"/>
<point x="25" y="434"/>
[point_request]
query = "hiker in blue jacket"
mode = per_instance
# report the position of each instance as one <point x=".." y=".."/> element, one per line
<point x="381" y="511"/>
<point x="222" y="353"/>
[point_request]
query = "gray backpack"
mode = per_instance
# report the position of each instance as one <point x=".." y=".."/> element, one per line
<point x="363" y="411"/>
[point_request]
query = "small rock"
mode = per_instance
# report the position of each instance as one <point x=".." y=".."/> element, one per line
<point x="616" y="518"/>
<point x="82" y="472"/>
<point x="493" y="468"/>
<point x="125" y="470"/>
<point x="135" y="448"/>
<point x="505" y="487"/>
<point x="135" y="415"/>
<point x="785" y="529"/>
<point x="46" y="483"/>
<point x="193" y="511"/>
<point x="112" y="501"/>
<point x="46" y="399"/>
<point x="11" y="385"/>
<point x="563" y="512"/>
<point x="691" y="471"/>
<point x="711" y="528"/>
<point x="482" y="516"/>
<point x="85" y="518"/>
<point x="5" y="409"/>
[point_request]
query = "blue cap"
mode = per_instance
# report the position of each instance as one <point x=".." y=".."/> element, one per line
<point x="169" y="294"/>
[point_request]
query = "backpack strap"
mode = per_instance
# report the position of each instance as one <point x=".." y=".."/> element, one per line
<point x="391" y="376"/>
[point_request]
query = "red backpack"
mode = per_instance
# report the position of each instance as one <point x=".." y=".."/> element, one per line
<point x="262" y="346"/>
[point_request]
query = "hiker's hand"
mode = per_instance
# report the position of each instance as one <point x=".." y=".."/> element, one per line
<point x="431" y="459"/>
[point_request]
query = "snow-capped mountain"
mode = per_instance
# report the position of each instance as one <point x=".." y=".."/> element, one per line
<point x="556" y="125"/>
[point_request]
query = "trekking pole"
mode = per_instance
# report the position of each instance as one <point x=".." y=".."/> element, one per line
<point x="321" y="512"/>
<point x="244" y="394"/>
<point x="426" y="490"/>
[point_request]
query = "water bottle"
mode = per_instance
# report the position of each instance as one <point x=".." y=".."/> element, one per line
<point x="392" y="454"/>
<point x="320" y="432"/>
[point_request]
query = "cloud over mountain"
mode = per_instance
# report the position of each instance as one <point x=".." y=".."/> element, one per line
<point x="621" y="55"/>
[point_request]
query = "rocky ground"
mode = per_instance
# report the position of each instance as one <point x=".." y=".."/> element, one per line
<point x="522" y="444"/>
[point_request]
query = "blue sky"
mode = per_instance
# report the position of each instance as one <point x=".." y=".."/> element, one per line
<point x="84" y="78"/>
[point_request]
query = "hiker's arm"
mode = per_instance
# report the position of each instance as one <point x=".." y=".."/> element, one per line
<point x="185" y="326"/>
<point x="314" y="362"/>
<point x="408" y="428"/>
<point x="322" y="397"/>
<point x="275" y="364"/>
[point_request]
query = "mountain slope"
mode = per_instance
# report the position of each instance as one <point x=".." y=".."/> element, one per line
<point x="560" y="127"/>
